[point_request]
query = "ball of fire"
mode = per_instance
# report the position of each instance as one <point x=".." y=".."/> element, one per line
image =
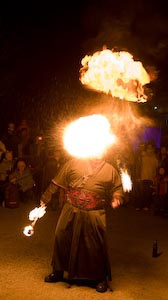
<point x="115" y="73"/>
<point x="88" y="136"/>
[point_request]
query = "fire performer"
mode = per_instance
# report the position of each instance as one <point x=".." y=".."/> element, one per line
<point x="80" y="247"/>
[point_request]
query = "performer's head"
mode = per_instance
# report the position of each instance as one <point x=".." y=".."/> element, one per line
<point x="96" y="160"/>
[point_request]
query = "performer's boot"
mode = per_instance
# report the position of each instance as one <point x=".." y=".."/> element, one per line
<point x="54" y="277"/>
<point x="102" y="286"/>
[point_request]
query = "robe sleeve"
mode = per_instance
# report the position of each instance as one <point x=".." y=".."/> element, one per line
<point x="50" y="190"/>
<point x="56" y="183"/>
<point x="117" y="193"/>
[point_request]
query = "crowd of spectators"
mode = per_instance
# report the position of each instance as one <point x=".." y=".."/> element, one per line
<point x="28" y="164"/>
<point x="150" y="178"/>
<point x="147" y="166"/>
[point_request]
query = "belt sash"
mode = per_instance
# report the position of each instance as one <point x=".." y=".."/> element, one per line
<point x="84" y="199"/>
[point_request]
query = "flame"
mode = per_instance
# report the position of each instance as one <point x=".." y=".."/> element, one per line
<point x="37" y="212"/>
<point x="34" y="215"/>
<point x="28" y="230"/>
<point x="126" y="180"/>
<point x="116" y="73"/>
<point x="88" y="136"/>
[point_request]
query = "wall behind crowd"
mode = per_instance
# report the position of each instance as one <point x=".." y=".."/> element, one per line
<point x="150" y="134"/>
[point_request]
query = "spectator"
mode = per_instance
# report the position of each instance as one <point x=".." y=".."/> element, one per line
<point x="24" y="180"/>
<point x="2" y="149"/>
<point x="136" y="175"/>
<point x="149" y="168"/>
<point x="38" y="151"/>
<point x="6" y="167"/>
<point x="11" y="140"/>
<point x="161" y="193"/>
<point x="24" y="146"/>
<point x="53" y="163"/>
<point x="163" y="158"/>
<point x="37" y="162"/>
<point x="23" y="125"/>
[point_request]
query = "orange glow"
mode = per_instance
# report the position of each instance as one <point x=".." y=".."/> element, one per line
<point x="126" y="180"/>
<point x="88" y="136"/>
<point x="28" y="230"/>
<point x="37" y="212"/>
<point x="34" y="215"/>
<point x="116" y="73"/>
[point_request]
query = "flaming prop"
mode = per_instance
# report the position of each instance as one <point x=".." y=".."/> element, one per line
<point x="34" y="215"/>
<point x="126" y="180"/>
<point x="116" y="73"/>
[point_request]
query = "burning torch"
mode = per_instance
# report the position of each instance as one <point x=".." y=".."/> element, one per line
<point x="34" y="215"/>
<point x="125" y="177"/>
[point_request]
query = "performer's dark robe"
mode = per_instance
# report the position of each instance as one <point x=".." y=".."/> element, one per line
<point x="80" y="238"/>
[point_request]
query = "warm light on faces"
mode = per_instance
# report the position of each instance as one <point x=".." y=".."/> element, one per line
<point x="161" y="171"/>
<point x="8" y="155"/>
<point x="21" y="165"/>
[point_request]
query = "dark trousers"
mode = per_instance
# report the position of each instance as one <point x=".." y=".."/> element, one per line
<point x="27" y="195"/>
<point x="143" y="193"/>
<point x="161" y="204"/>
<point x="3" y="186"/>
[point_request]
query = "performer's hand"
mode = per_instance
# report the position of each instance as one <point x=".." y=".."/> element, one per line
<point x="42" y="203"/>
<point x="115" y="203"/>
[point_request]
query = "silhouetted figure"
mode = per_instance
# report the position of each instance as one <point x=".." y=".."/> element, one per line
<point x="24" y="180"/>
<point x="11" y="140"/>
<point x="6" y="167"/>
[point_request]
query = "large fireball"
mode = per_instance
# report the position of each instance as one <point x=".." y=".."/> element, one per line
<point x="115" y="73"/>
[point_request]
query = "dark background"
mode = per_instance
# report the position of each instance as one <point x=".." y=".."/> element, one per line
<point x="42" y="44"/>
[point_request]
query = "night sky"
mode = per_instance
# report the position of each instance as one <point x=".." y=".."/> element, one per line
<point x="41" y="47"/>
